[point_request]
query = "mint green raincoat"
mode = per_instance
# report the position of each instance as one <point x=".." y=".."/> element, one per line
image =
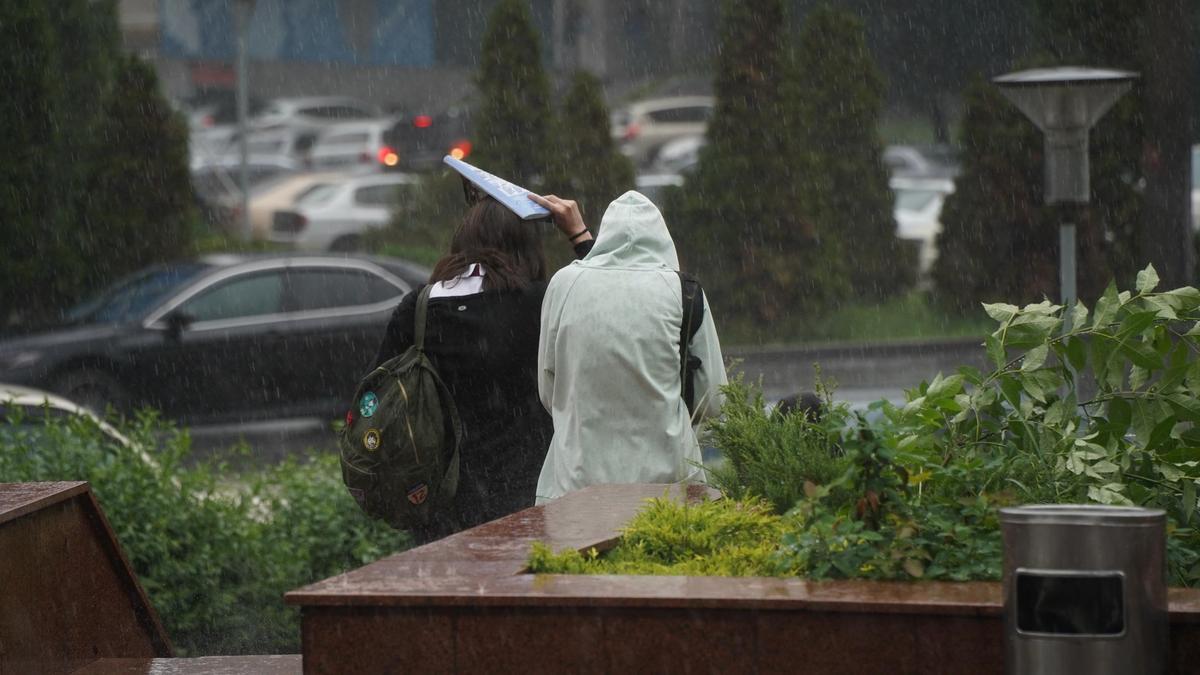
<point x="608" y="361"/>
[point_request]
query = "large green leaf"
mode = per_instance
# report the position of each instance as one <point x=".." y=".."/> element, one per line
<point x="1000" y="311"/>
<point x="1187" y="407"/>
<point x="1035" y="357"/>
<point x="1076" y="353"/>
<point x="1079" y="314"/>
<point x="1120" y="414"/>
<point x="1135" y="323"/>
<point x="995" y="351"/>
<point x="942" y="387"/>
<point x="1147" y="279"/>
<point x="1183" y="299"/>
<point x="1029" y="330"/>
<point x="1142" y="354"/>
<point x="1106" y="307"/>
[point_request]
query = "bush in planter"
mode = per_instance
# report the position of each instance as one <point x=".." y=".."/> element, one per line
<point x="215" y="553"/>
<point x="712" y="538"/>
<point x="1105" y="412"/>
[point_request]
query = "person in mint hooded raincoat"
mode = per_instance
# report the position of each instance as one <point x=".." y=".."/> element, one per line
<point x="608" y="360"/>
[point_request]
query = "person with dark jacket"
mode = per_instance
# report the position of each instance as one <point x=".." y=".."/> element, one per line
<point x="482" y="336"/>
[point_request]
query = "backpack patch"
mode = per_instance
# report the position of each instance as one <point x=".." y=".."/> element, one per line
<point x="418" y="494"/>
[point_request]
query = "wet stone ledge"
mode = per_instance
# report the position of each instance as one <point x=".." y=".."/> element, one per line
<point x="466" y="604"/>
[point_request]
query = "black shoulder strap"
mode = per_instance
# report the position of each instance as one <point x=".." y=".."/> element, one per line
<point x="693" y="316"/>
<point x="419" y="328"/>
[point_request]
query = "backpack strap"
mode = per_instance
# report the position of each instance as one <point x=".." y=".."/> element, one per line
<point x="693" y="316"/>
<point x="419" y="327"/>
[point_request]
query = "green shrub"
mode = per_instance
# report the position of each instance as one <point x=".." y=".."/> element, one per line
<point x="214" y="552"/>
<point x="712" y="538"/>
<point x="770" y="454"/>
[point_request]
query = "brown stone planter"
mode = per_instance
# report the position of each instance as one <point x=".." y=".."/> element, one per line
<point x="465" y="604"/>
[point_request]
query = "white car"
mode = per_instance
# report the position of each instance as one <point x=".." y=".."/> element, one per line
<point x="655" y="185"/>
<point x="354" y="144"/>
<point x="314" y="110"/>
<point x="643" y="127"/>
<point x="282" y="193"/>
<point x="918" y="212"/>
<point x="32" y="406"/>
<point x="1196" y="188"/>
<point x="335" y="217"/>
<point x="681" y="155"/>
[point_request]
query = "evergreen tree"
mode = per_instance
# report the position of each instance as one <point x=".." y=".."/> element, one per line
<point x="839" y="93"/>
<point x="997" y="241"/>
<point x="139" y="208"/>
<point x="512" y="128"/>
<point x="1000" y="240"/>
<point x="94" y="179"/>
<point x="746" y="218"/>
<point x="591" y="170"/>
<point x="30" y="206"/>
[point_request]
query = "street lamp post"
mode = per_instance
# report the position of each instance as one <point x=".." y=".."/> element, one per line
<point x="1065" y="103"/>
<point x="242" y="11"/>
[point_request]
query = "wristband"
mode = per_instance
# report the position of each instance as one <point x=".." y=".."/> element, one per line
<point x="579" y="234"/>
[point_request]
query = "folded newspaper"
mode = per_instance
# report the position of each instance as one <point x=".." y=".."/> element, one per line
<point x="514" y="197"/>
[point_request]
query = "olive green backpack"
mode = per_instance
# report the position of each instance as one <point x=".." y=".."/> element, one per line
<point x="400" y="446"/>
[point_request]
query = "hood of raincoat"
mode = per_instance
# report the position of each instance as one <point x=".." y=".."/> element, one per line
<point x="633" y="235"/>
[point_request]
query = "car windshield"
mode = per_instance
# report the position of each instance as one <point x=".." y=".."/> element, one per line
<point x="132" y="297"/>
<point x="914" y="200"/>
<point x="320" y="193"/>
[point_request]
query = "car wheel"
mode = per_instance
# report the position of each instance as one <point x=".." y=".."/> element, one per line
<point x="350" y="243"/>
<point x="93" y="389"/>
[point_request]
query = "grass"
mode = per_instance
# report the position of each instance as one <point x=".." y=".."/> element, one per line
<point x="906" y="317"/>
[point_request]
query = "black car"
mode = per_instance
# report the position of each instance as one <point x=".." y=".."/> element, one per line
<point x="221" y="338"/>
<point x="421" y="141"/>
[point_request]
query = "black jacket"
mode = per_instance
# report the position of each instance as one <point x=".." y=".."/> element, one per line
<point x="484" y="347"/>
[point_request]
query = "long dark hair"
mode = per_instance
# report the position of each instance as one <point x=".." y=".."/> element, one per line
<point x="508" y="248"/>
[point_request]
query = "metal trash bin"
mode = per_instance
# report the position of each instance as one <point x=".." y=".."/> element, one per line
<point x="1084" y="590"/>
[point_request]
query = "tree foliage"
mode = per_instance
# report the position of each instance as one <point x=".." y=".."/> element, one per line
<point x="95" y="180"/>
<point x="839" y="98"/>
<point x="752" y="221"/>
<point x="590" y="170"/>
<point x="999" y="239"/>
<point x="139" y="203"/>
<point x="513" y="126"/>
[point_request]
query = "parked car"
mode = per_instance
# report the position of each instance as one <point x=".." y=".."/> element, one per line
<point x="643" y="127"/>
<point x="217" y="183"/>
<point x="918" y="211"/>
<point x="354" y="144"/>
<point x="911" y="161"/>
<point x="292" y="140"/>
<point x="218" y="108"/>
<point x="314" y="110"/>
<point x="655" y="186"/>
<point x="282" y="193"/>
<point x="336" y="216"/>
<point x="680" y="155"/>
<point x="27" y="407"/>
<point x="421" y="141"/>
<point x="220" y="338"/>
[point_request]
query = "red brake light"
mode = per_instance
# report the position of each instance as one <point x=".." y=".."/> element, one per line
<point x="632" y="131"/>
<point x="422" y="121"/>
<point x="460" y="149"/>
<point x="388" y="156"/>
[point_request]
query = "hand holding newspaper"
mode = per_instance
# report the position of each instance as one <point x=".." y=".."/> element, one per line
<point x="513" y="197"/>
